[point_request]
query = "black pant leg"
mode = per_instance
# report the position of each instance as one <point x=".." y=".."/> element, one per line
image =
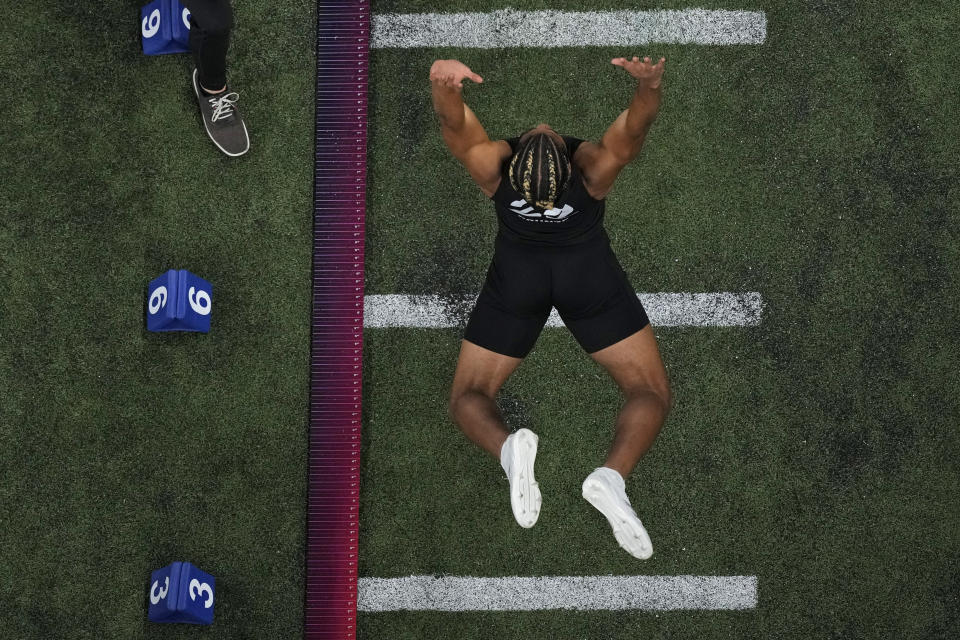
<point x="210" y="25"/>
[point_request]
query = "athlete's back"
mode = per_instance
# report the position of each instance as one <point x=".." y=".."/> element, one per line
<point x="574" y="218"/>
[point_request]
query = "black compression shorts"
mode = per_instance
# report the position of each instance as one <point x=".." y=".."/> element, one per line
<point x="585" y="283"/>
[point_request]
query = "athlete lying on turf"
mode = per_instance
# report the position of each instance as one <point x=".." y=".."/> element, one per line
<point x="552" y="251"/>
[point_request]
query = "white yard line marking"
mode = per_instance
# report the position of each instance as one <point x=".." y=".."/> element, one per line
<point x="722" y="309"/>
<point x="541" y="29"/>
<point x="660" y="593"/>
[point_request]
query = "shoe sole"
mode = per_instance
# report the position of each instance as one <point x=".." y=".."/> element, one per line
<point x="525" y="498"/>
<point x="627" y="528"/>
<point x="196" y="91"/>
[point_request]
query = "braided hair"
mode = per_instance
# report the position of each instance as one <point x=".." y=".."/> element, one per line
<point x="540" y="170"/>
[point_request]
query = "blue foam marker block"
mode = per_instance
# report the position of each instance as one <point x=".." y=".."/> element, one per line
<point x="179" y="301"/>
<point x="162" y="302"/>
<point x="158" y="26"/>
<point x="195" y="302"/>
<point x="181" y="593"/>
<point x="181" y="24"/>
<point x="195" y="598"/>
<point x="164" y="593"/>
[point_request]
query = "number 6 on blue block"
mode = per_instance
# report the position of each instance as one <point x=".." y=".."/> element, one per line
<point x="181" y="593"/>
<point x="179" y="301"/>
<point x="165" y="27"/>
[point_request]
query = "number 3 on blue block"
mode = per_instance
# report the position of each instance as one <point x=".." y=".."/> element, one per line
<point x="181" y="593"/>
<point x="164" y="584"/>
<point x="197" y="599"/>
<point x="179" y="301"/>
<point x="165" y="27"/>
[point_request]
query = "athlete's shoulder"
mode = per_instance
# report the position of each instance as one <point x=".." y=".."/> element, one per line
<point x="501" y="151"/>
<point x="572" y="144"/>
<point x="587" y="160"/>
<point x="485" y="163"/>
<point x="505" y="147"/>
<point x="584" y="153"/>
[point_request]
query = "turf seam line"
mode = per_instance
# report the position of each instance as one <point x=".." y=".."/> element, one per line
<point x="723" y="309"/>
<point x="547" y="29"/>
<point x="582" y="593"/>
<point x="336" y="336"/>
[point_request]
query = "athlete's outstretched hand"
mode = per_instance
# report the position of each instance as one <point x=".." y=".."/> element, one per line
<point x="451" y="73"/>
<point x="643" y="70"/>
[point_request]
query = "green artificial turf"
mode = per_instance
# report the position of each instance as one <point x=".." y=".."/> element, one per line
<point x="121" y="450"/>
<point x="816" y="451"/>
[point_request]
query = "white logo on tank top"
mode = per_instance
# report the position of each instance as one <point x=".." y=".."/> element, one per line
<point x="524" y="210"/>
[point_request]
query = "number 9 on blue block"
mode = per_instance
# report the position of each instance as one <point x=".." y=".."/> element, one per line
<point x="179" y="301"/>
<point x="181" y="592"/>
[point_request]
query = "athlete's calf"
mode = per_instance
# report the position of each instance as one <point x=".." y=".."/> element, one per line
<point x="478" y="416"/>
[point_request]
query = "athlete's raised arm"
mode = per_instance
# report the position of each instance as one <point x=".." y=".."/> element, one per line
<point x="601" y="163"/>
<point x="462" y="131"/>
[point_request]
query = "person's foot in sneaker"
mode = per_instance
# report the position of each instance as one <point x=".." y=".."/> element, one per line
<point x="517" y="457"/>
<point x="605" y="490"/>
<point x="222" y="119"/>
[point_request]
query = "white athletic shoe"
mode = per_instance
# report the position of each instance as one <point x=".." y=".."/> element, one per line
<point x="516" y="457"/>
<point x="604" y="489"/>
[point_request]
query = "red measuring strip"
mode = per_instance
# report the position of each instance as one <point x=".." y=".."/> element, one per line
<point x="336" y="342"/>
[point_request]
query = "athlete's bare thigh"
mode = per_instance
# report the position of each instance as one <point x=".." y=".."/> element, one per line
<point x="482" y="370"/>
<point x="635" y="363"/>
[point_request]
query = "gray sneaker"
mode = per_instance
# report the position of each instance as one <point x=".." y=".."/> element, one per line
<point x="222" y="120"/>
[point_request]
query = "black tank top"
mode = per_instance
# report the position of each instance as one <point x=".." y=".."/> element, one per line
<point x="576" y="217"/>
